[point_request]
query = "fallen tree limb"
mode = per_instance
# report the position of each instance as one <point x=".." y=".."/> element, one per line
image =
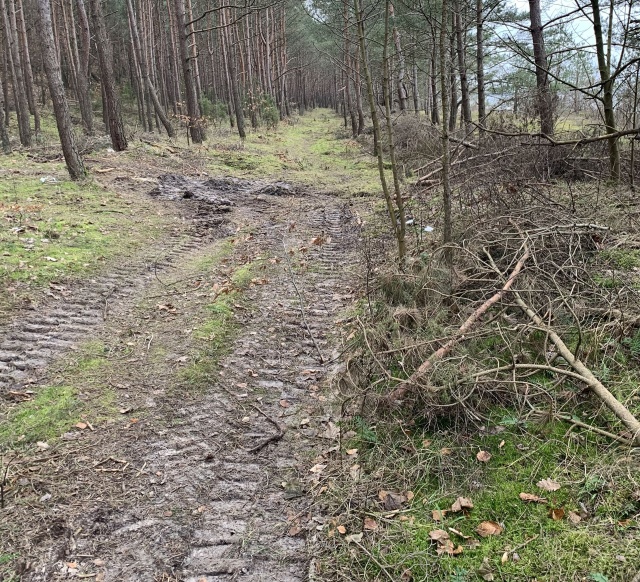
<point x="406" y="386"/>
<point x="619" y="409"/>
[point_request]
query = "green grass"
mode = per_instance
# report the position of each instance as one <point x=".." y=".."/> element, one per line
<point x="53" y="411"/>
<point x="312" y="150"/>
<point x="55" y="231"/>
<point x="591" y="473"/>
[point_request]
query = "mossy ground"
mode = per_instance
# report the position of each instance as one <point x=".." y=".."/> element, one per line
<point x="598" y="484"/>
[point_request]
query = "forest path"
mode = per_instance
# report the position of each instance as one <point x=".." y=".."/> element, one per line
<point x="191" y="466"/>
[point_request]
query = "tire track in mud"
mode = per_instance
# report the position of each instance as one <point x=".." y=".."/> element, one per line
<point x="214" y="490"/>
<point x="67" y="316"/>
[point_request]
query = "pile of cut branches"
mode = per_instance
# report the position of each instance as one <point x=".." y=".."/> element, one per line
<point x="541" y="314"/>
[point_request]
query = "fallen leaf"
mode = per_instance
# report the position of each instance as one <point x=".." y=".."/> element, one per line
<point x="505" y="558"/>
<point x="426" y="443"/>
<point x="391" y="500"/>
<point x="438" y="514"/>
<point x="489" y="528"/>
<point x="356" y="538"/>
<point x="483" y="456"/>
<point x="341" y="529"/>
<point x="406" y="576"/>
<point x="42" y="445"/>
<point x="446" y="451"/>
<point x="438" y="535"/>
<point x="410" y="495"/>
<point x="473" y="543"/>
<point x="370" y="524"/>
<point x="332" y="432"/>
<point x="294" y="530"/>
<point x="501" y="444"/>
<point x="556" y="513"/>
<point x="81" y="425"/>
<point x="531" y="498"/>
<point x="285" y="403"/>
<point x="573" y="518"/>
<point x="548" y="485"/>
<point x="462" y="503"/>
<point x="352" y="451"/>
<point x="317" y="468"/>
<point x="354" y="471"/>
<point x="485" y="570"/>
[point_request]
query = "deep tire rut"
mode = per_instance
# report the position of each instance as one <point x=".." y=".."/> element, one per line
<point x="213" y="490"/>
<point x="66" y="317"/>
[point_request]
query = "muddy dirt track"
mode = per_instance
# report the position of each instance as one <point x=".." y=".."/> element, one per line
<point x="181" y="485"/>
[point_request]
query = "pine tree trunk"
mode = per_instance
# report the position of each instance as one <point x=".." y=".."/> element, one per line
<point x="607" y="93"/>
<point x="160" y="112"/>
<point x="545" y="106"/>
<point x="444" y="89"/>
<point x="26" y="62"/>
<point x="193" y="108"/>
<point x="482" y="107"/>
<point x="4" y="136"/>
<point x="22" y="105"/>
<point x="84" y="95"/>
<point x="462" y="69"/>
<point x="58" y="97"/>
<point x="105" y="58"/>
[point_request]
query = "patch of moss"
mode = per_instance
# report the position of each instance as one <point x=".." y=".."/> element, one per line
<point x="53" y="411"/>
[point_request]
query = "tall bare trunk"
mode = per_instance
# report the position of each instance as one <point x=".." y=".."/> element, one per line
<point x="142" y="63"/>
<point x="607" y="91"/>
<point x="462" y="68"/>
<point x="482" y="107"/>
<point x="4" y="136"/>
<point x="193" y="108"/>
<point x="84" y="95"/>
<point x="545" y="105"/>
<point x="111" y="103"/>
<point x="22" y="105"/>
<point x="444" y="89"/>
<point x="26" y="62"/>
<point x="58" y="97"/>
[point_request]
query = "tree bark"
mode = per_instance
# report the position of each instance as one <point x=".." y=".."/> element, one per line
<point x="544" y="102"/>
<point x="72" y="157"/>
<point x="462" y="66"/>
<point x="4" y="136"/>
<point x="482" y="107"/>
<point x="607" y="93"/>
<point x="110" y="96"/>
<point x="22" y="105"/>
<point x="142" y="63"/>
<point x="84" y="95"/>
<point x="26" y="62"/>
<point x="193" y="108"/>
<point x="444" y="89"/>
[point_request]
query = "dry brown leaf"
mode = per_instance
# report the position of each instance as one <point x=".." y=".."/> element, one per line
<point x="505" y="558"/>
<point x="548" y="485"/>
<point x="438" y="535"/>
<point x="446" y="451"/>
<point x="574" y="518"/>
<point x="483" y="456"/>
<point x="461" y="504"/>
<point x="426" y="443"/>
<point x="294" y="530"/>
<point x="285" y="403"/>
<point x="531" y="498"/>
<point x="352" y="451"/>
<point x="489" y="528"/>
<point x="438" y="514"/>
<point x="355" y="472"/>
<point x="356" y="538"/>
<point x="81" y="425"/>
<point x="556" y="513"/>
<point x="317" y="468"/>
<point x="409" y="495"/>
<point x="391" y="500"/>
<point x="473" y="543"/>
<point x="341" y="529"/>
<point x="370" y="524"/>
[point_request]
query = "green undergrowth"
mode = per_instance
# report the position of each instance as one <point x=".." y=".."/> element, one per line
<point x="58" y="229"/>
<point x="313" y="150"/>
<point x="80" y="394"/>
<point x="218" y="327"/>
<point x="596" y="507"/>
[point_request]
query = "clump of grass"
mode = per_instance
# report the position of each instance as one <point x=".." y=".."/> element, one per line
<point x="53" y="411"/>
